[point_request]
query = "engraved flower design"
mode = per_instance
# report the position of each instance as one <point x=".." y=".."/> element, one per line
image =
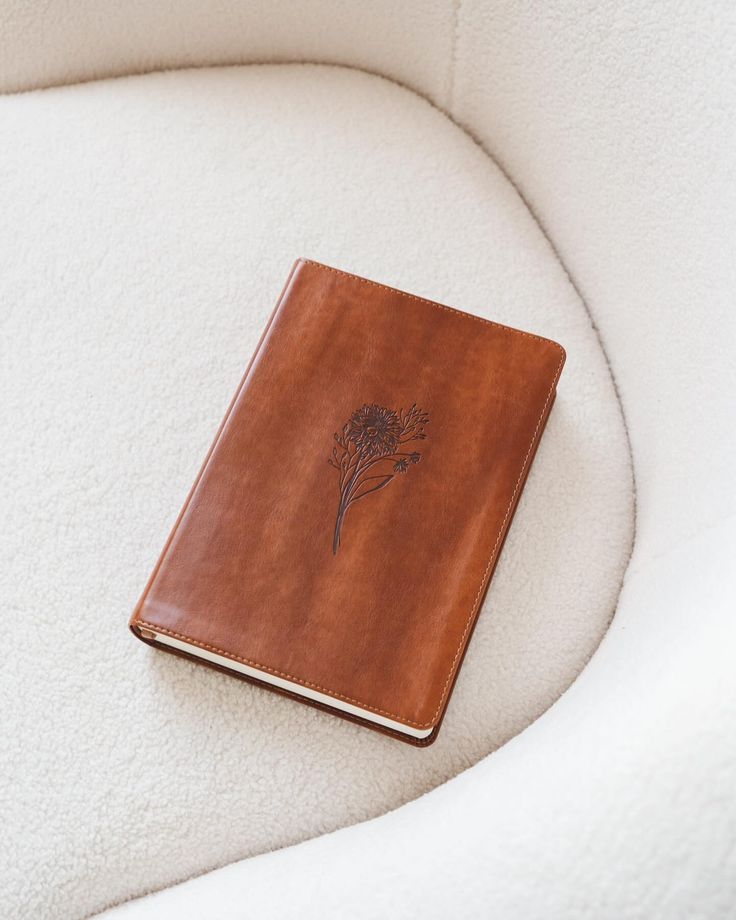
<point x="374" y="431"/>
<point x="367" y="453"/>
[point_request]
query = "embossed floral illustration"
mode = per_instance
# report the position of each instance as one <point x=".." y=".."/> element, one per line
<point x="369" y="452"/>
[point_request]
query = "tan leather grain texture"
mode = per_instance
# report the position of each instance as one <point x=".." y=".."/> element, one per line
<point x="346" y="522"/>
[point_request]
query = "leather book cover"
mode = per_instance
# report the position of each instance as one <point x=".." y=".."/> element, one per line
<point x="339" y="539"/>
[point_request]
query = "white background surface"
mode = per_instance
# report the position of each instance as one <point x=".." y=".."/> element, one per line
<point x="616" y="122"/>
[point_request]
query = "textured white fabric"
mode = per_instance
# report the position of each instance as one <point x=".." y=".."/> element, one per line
<point x="66" y="41"/>
<point x="148" y="225"/>
<point x="618" y="127"/>
<point x="617" y="803"/>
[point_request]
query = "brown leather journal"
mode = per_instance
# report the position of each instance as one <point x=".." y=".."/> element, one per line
<point x="340" y="537"/>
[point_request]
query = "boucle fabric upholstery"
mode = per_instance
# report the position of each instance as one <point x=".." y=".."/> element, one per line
<point x="69" y="41"/>
<point x="616" y="124"/>
<point x="149" y="223"/>
<point x="598" y="810"/>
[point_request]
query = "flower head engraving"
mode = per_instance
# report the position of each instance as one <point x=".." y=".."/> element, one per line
<point x="369" y="452"/>
<point x="374" y="431"/>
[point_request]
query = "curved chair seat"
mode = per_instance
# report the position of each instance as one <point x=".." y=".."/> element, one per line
<point x="172" y="207"/>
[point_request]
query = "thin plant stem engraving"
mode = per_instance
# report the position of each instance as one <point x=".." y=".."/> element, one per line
<point x="368" y="453"/>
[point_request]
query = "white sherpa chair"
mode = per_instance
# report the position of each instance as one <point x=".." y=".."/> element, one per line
<point x="563" y="167"/>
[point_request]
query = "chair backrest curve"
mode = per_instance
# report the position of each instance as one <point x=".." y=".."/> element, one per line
<point x="614" y="126"/>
